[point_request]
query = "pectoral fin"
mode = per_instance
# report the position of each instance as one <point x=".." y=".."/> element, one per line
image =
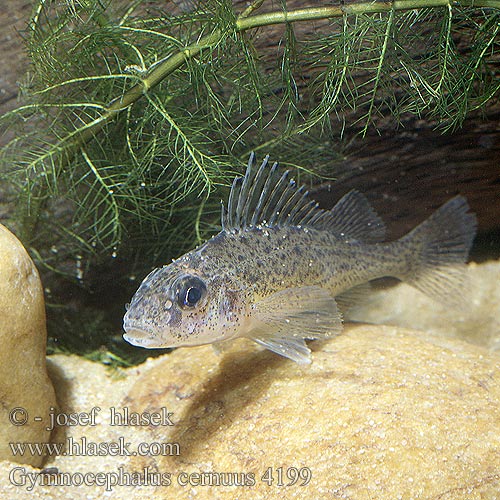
<point x="283" y="320"/>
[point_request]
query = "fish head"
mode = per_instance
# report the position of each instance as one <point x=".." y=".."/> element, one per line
<point x="175" y="307"/>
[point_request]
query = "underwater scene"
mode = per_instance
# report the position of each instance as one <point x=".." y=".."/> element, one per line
<point x="250" y="249"/>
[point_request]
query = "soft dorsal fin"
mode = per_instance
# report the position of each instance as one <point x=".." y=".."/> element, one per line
<point x="266" y="197"/>
<point x="354" y="217"/>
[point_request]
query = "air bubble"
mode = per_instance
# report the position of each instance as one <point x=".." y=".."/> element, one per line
<point x="79" y="271"/>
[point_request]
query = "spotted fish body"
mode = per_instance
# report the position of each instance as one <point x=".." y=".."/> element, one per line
<point x="282" y="269"/>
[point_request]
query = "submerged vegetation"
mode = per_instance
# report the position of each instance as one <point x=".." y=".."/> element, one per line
<point x="136" y="115"/>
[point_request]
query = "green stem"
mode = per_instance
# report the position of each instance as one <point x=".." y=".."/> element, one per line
<point x="379" y="69"/>
<point x="353" y="9"/>
<point x="158" y="73"/>
<point x="245" y="22"/>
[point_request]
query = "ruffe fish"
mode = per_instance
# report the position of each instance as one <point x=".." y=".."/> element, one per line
<point x="282" y="269"/>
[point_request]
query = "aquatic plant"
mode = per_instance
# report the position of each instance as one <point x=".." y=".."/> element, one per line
<point x="136" y="115"/>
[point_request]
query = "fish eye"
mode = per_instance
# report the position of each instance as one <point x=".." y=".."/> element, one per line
<point x="191" y="291"/>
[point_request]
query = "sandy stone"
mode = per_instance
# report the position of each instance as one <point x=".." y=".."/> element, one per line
<point x="478" y="321"/>
<point x="382" y="412"/>
<point x="24" y="382"/>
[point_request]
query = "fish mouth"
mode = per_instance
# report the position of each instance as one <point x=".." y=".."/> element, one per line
<point x="140" y="338"/>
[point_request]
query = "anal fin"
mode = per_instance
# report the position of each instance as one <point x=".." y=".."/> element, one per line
<point x="294" y="349"/>
<point x="353" y="297"/>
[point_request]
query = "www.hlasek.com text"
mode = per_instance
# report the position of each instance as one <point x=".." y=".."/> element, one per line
<point x="84" y="447"/>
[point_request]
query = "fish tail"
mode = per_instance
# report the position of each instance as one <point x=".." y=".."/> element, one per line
<point x="441" y="245"/>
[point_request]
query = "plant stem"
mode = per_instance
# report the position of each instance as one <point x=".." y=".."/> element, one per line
<point x="245" y="22"/>
<point x="157" y="73"/>
<point x="352" y="9"/>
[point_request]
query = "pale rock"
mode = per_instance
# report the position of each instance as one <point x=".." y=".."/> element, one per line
<point x="24" y="382"/>
<point x="477" y="321"/>
<point x="382" y="412"/>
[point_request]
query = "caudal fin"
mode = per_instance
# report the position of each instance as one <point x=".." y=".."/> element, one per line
<point x="443" y="242"/>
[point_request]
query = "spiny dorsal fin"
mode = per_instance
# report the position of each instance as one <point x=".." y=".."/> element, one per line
<point x="266" y="197"/>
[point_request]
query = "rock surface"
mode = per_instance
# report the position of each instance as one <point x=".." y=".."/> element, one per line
<point x="382" y="413"/>
<point x="24" y="382"/>
<point x="477" y="322"/>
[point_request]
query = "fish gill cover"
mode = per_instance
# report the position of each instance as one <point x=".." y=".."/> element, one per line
<point x="135" y="117"/>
